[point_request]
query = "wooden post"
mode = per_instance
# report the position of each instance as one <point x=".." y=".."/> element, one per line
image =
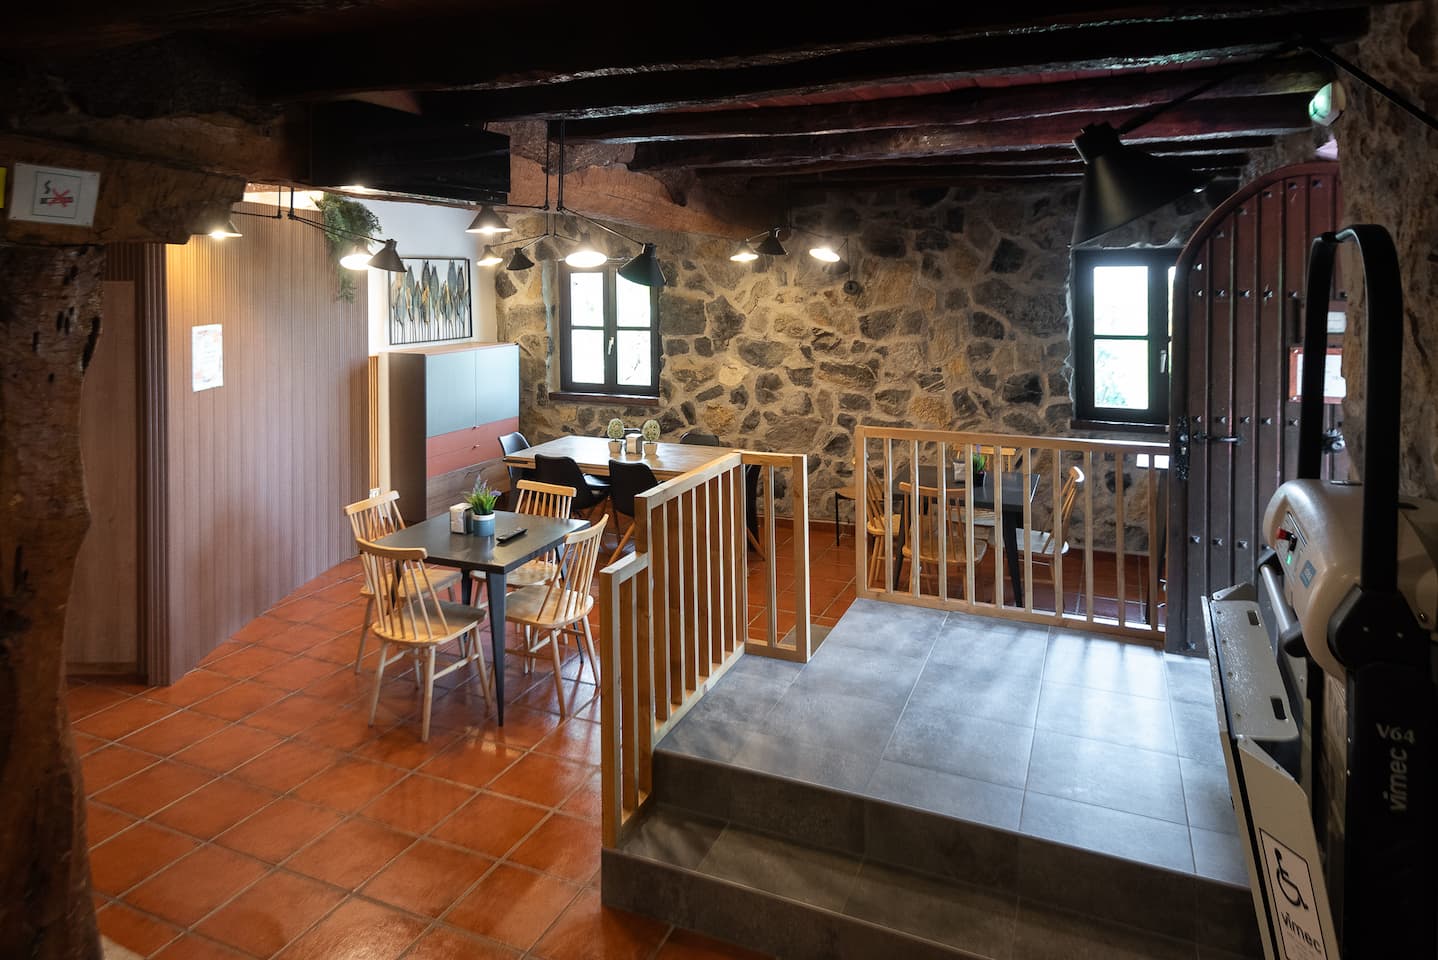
<point x="49" y="321"/>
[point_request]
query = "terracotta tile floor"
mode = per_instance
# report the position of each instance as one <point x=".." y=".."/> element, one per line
<point x="249" y="810"/>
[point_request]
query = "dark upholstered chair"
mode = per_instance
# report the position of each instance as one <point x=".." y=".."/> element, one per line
<point x="626" y="481"/>
<point x="751" y="485"/>
<point x="589" y="492"/>
<point x="513" y="443"/>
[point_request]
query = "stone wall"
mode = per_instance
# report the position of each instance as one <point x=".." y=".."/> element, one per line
<point x="956" y="317"/>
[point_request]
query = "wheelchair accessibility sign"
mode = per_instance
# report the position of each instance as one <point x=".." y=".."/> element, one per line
<point x="1291" y="898"/>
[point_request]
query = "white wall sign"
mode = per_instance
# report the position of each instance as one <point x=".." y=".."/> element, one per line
<point x="54" y="195"/>
<point x="207" y="357"/>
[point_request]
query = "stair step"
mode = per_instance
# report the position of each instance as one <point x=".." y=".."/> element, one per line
<point x="710" y="799"/>
<point x="798" y="901"/>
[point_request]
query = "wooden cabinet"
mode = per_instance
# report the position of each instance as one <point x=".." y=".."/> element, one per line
<point x="442" y="411"/>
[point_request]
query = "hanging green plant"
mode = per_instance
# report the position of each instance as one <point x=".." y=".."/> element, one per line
<point x="344" y="218"/>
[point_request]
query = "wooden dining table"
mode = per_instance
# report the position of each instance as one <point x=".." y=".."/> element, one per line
<point x="667" y="460"/>
<point x="468" y="553"/>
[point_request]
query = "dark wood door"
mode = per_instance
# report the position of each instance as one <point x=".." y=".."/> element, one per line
<point x="1238" y="310"/>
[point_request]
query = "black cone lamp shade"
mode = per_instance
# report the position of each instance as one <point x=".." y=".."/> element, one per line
<point x="644" y="269"/>
<point x="387" y="259"/>
<point x="519" y="260"/>
<point x="1122" y="183"/>
<point x="770" y="245"/>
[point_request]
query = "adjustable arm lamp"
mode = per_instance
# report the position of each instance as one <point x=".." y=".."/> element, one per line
<point x="1122" y="183"/>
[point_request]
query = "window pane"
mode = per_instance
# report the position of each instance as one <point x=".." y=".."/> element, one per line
<point x="1120" y="300"/>
<point x="1120" y="374"/>
<point x="633" y="303"/>
<point x="586" y="351"/>
<point x="586" y="301"/>
<point x="634" y="358"/>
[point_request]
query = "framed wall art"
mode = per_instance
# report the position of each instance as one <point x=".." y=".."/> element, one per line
<point x="430" y="301"/>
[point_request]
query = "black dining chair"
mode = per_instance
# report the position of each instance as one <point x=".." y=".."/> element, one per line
<point x="751" y="485"/>
<point x="589" y="492"/>
<point x="512" y="443"/>
<point x="627" y="481"/>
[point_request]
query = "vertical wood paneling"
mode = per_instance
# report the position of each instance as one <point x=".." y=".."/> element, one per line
<point x="260" y="467"/>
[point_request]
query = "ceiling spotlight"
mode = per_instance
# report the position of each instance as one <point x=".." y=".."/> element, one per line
<point x="519" y="260"/>
<point x="770" y="245"/>
<point x="745" y="254"/>
<point x="585" y="255"/>
<point x="388" y="259"/>
<point x="825" y="252"/>
<point x="1122" y="183"/>
<point x="644" y="269"/>
<point x="488" y="258"/>
<point x="356" y="258"/>
<point x="487" y="222"/>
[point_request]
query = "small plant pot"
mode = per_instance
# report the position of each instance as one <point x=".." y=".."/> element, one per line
<point x="481" y="524"/>
<point x="616" y="447"/>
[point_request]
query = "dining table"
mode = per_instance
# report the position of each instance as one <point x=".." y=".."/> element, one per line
<point x="667" y="460"/>
<point x="1010" y="483"/>
<point x="496" y="558"/>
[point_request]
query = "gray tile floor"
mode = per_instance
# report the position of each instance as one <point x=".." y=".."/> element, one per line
<point x="1067" y="736"/>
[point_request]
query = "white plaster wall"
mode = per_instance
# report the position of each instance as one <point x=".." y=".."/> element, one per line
<point x="419" y="230"/>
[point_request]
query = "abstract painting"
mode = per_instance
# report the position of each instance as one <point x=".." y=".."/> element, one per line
<point x="430" y="301"/>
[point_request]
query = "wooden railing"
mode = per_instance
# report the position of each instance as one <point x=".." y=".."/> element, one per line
<point x="1116" y="527"/>
<point x="674" y="614"/>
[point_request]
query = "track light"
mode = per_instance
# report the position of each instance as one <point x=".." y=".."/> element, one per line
<point x="770" y="245"/>
<point x="644" y="269"/>
<point x="388" y="259"/>
<point x="745" y="254"/>
<point x="357" y="258"/>
<point x="519" y="260"/>
<point x="487" y="222"/>
<point x="488" y="258"/>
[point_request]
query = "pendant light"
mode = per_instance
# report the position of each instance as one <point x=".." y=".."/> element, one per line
<point x="487" y="222"/>
<point x="644" y="269"/>
<point x="585" y="255"/>
<point x="388" y="259"/>
<point x="1122" y="183"/>
<point x="488" y="258"/>
<point x="357" y="258"/>
<point x="519" y="260"/>
<point x="223" y="228"/>
<point x="770" y="245"/>
<point x="745" y="254"/>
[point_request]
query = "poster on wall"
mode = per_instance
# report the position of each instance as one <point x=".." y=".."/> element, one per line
<point x="207" y="357"/>
<point x="430" y="301"/>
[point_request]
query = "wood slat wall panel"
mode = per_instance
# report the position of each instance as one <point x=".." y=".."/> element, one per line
<point x="260" y="467"/>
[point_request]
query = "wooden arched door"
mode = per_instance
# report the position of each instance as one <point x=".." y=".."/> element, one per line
<point x="1238" y="292"/>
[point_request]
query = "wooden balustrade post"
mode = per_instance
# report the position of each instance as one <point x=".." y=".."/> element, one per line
<point x="799" y="500"/>
<point x="1120" y="554"/>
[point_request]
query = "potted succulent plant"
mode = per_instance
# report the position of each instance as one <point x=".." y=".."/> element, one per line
<point x="615" y="432"/>
<point x="977" y="465"/>
<point x="481" y="508"/>
<point x="650" y="431"/>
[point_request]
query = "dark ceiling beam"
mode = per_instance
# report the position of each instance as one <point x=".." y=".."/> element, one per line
<point x="1267" y="116"/>
<point x="1126" y="91"/>
<point x="936" y="172"/>
<point x="1049" y="161"/>
<point x="632" y="80"/>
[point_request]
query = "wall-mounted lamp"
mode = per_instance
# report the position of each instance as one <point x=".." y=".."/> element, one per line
<point x="357" y="258"/>
<point x="745" y="254"/>
<point x="826" y="252"/>
<point x="387" y="259"/>
<point x="770" y="245"/>
<point x="585" y="255"/>
<point x="488" y="258"/>
<point x="519" y="260"/>
<point x="644" y="269"/>
<point x="222" y="227"/>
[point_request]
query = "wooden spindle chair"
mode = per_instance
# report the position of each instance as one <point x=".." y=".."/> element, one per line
<point x="372" y="519"/>
<point x="548" y="611"/>
<point x="1046" y="544"/>
<point x="931" y="516"/>
<point x="882" y="524"/>
<point x="410" y="616"/>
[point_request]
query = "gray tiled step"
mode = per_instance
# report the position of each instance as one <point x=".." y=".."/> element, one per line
<point x="1064" y="860"/>
<point x="799" y="901"/>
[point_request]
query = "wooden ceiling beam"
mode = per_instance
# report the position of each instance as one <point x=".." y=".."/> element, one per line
<point x="959" y="171"/>
<point x="1124" y="91"/>
<point x="1048" y="161"/>
<point x="1266" y="116"/>
<point x="700" y="67"/>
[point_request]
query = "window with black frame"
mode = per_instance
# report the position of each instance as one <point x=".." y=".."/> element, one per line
<point x="609" y="333"/>
<point x="1122" y="326"/>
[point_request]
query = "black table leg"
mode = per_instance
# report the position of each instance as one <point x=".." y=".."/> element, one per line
<point x="1011" y="547"/>
<point x="836" y="518"/>
<point x="466" y="588"/>
<point x="496" y="629"/>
